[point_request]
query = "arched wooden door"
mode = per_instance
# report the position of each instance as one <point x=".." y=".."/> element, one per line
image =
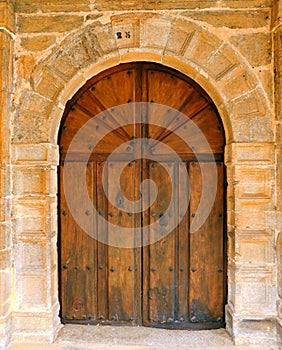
<point x="178" y="280"/>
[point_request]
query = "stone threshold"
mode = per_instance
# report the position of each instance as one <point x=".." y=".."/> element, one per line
<point x="79" y="337"/>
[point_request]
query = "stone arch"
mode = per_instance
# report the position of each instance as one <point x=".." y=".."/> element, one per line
<point x="180" y="44"/>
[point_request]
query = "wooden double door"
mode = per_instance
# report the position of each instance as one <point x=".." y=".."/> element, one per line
<point x="146" y="271"/>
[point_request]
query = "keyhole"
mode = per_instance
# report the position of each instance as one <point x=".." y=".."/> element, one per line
<point x="119" y="200"/>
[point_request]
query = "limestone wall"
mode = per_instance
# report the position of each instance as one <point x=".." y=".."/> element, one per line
<point x="7" y="27"/>
<point x="277" y="35"/>
<point x="231" y="48"/>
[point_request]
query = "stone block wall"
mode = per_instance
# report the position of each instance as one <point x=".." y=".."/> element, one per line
<point x="232" y="48"/>
<point x="7" y="28"/>
<point x="278" y="114"/>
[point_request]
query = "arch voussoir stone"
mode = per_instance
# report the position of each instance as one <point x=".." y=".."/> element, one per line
<point x="214" y="61"/>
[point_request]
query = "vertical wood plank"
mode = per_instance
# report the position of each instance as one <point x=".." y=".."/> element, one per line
<point x="77" y="269"/>
<point x="102" y="263"/>
<point x="123" y="263"/>
<point x="162" y="254"/>
<point x="206" y="297"/>
<point x="183" y="245"/>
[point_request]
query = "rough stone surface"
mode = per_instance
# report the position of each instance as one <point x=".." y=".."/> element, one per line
<point x="6" y="16"/>
<point x="28" y="6"/>
<point x="230" y="19"/>
<point x="55" y="23"/>
<point x="103" y="5"/>
<point x="255" y="47"/>
<point x="38" y="43"/>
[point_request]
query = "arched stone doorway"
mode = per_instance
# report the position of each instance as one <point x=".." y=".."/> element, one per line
<point x="245" y="107"/>
<point x="159" y="276"/>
